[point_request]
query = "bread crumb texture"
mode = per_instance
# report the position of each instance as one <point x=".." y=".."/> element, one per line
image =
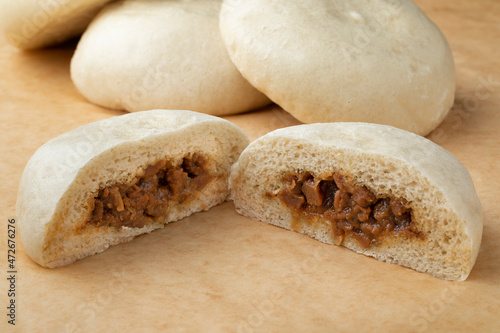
<point x="389" y="162"/>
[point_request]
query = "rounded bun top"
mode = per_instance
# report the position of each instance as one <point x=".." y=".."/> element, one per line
<point x="72" y="150"/>
<point x="31" y="24"/>
<point x="140" y="55"/>
<point x="380" y="61"/>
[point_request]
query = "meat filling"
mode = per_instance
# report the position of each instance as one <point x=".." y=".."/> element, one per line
<point x="149" y="197"/>
<point x="353" y="210"/>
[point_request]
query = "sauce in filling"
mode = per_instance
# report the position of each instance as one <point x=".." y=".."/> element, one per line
<point x="353" y="210"/>
<point x="148" y="198"/>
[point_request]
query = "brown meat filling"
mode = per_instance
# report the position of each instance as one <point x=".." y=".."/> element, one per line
<point x="353" y="210"/>
<point x="149" y="197"/>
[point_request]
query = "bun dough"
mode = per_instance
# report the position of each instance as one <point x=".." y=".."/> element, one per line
<point x="389" y="162"/>
<point x="139" y="55"/>
<point x="31" y="24"/>
<point x="380" y="61"/>
<point x="65" y="174"/>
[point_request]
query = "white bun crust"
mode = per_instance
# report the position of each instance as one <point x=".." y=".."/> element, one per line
<point x="391" y="163"/>
<point x="31" y="24"/>
<point x="380" y="61"/>
<point x="139" y="55"/>
<point x="65" y="174"/>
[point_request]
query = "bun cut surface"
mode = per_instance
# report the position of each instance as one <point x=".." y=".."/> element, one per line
<point x="106" y="182"/>
<point x="374" y="189"/>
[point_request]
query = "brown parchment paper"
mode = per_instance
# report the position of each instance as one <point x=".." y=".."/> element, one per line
<point x="220" y="272"/>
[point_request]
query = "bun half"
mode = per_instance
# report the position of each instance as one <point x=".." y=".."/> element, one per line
<point x="444" y="236"/>
<point x="62" y="182"/>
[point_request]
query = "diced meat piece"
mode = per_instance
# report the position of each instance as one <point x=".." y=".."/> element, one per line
<point x="341" y="200"/>
<point x="153" y="169"/>
<point x="147" y="199"/>
<point x="363" y="197"/>
<point x="399" y="207"/>
<point x="314" y="195"/>
<point x="351" y="209"/>
<point x="177" y="181"/>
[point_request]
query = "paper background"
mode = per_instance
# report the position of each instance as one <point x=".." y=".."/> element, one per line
<point x="218" y="271"/>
